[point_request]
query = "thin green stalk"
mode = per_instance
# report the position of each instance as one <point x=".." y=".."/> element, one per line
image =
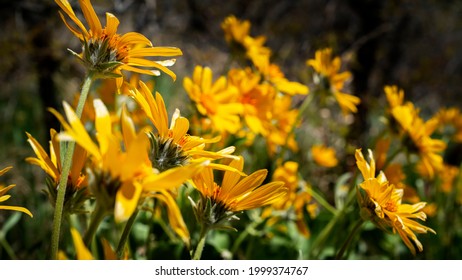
<point x="322" y="201"/>
<point x="348" y="241"/>
<point x="98" y="215"/>
<point x="58" y="214"/>
<point x="200" y="246"/>
<point x="7" y="247"/>
<point x="322" y="237"/>
<point x="125" y="234"/>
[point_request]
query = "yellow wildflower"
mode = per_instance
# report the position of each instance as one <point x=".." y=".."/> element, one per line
<point x="121" y="175"/>
<point x="76" y="192"/>
<point x="215" y="100"/>
<point x="382" y="203"/>
<point x="5" y="197"/>
<point x="106" y="53"/>
<point x="218" y="203"/>
<point x="330" y="79"/>
<point x="324" y="156"/>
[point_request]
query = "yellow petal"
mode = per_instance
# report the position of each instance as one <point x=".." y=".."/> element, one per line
<point x="81" y="250"/>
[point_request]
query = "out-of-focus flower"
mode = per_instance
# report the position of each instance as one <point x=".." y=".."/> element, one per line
<point x="381" y="202"/>
<point x="4" y="197"/>
<point x="417" y="137"/>
<point x="331" y="80"/>
<point x="324" y="156"/>
<point x="106" y="53"/>
<point x="215" y="100"/>
<point x="298" y="198"/>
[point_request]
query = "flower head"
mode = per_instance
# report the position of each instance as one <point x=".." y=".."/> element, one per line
<point x="106" y="53"/>
<point x="121" y="170"/>
<point x="217" y="100"/>
<point x="76" y="192"/>
<point x="5" y="197"/>
<point x="324" y="156"/>
<point x="171" y="145"/>
<point x="218" y="203"/>
<point x="382" y="203"/>
<point x="331" y="80"/>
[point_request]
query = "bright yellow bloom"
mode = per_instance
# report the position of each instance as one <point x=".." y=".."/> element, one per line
<point x="235" y="193"/>
<point x="324" y="156"/>
<point x="276" y="77"/>
<point x="215" y="100"/>
<point x="51" y="164"/>
<point x="419" y="132"/>
<point x="328" y="77"/>
<point x="172" y="146"/>
<point x="106" y="53"/>
<point x="382" y="203"/>
<point x="395" y="96"/>
<point x="5" y="197"/>
<point x="449" y="121"/>
<point x="122" y="175"/>
<point x="298" y="198"/>
<point x="238" y="37"/>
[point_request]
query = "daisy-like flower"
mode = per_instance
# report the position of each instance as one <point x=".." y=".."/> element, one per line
<point x="215" y="100"/>
<point x="330" y="79"/>
<point x="417" y="137"/>
<point x="381" y="202"/>
<point x="106" y="53"/>
<point x="76" y="193"/>
<point x="219" y="203"/>
<point x="237" y="35"/>
<point x="324" y="156"/>
<point x="4" y="197"/>
<point x="121" y="176"/>
<point x="277" y="78"/>
<point x="298" y="198"/>
<point x="171" y="145"/>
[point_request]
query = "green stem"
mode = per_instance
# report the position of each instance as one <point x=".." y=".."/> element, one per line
<point x="322" y="201"/>
<point x="200" y="246"/>
<point x="98" y="215"/>
<point x="322" y="237"/>
<point x="125" y="234"/>
<point x="347" y="243"/>
<point x="59" y="207"/>
<point x="7" y="247"/>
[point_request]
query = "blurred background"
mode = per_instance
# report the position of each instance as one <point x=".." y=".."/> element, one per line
<point x="416" y="45"/>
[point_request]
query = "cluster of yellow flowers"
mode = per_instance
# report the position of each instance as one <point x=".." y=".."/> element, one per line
<point x="118" y="158"/>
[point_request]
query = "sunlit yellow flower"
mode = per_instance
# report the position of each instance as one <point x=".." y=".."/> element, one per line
<point x="281" y="125"/>
<point x="330" y="79"/>
<point x="449" y="122"/>
<point x="256" y="98"/>
<point x="395" y="96"/>
<point x="76" y="193"/>
<point x="382" y="203"/>
<point x="417" y="137"/>
<point x="218" y="203"/>
<point x="298" y="198"/>
<point x="5" y="197"/>
<point x="237" y="35"/>
<point x="121" y="174"/>
<point x="215" y="100"/>
<point x="324" y="156"/>
<point x="172" y="146"/>
<point x="276" y="77"/>
<point x="106" y="53"/>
